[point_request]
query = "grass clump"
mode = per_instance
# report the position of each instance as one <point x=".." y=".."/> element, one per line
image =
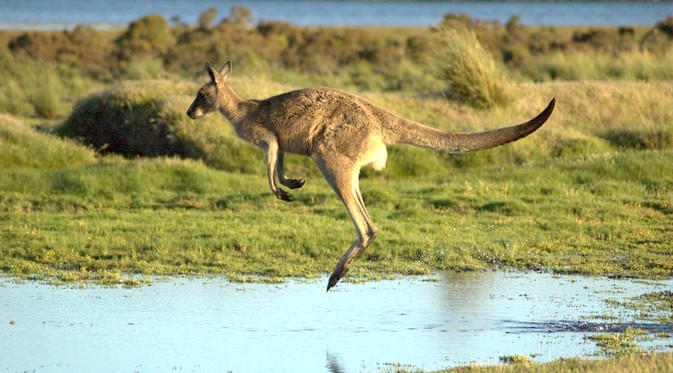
<point x="471" y="72"/>
<point x="618" y="344"/>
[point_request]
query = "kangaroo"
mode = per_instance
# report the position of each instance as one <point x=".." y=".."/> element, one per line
<point x="341" y="132"/>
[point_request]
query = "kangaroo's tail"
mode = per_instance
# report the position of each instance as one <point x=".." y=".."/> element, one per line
<point x="455" y="142"/>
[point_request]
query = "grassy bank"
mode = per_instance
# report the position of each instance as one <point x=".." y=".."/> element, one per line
<point x="605" y="215"/>
<point x="584" y="195"/>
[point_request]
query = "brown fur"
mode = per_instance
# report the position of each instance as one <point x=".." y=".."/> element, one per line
<point x="341" y="132"/>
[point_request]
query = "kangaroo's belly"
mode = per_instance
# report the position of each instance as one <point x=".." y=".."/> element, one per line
<point x="294" y="145"/>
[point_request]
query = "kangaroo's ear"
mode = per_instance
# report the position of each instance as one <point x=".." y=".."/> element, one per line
<point x="225" y="71"/>
<point x="214" y="75"/>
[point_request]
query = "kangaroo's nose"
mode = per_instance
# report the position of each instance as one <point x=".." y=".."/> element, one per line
<point x="192" y="113"/>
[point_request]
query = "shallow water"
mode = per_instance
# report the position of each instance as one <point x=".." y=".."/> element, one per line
<point x="213" y="325"/>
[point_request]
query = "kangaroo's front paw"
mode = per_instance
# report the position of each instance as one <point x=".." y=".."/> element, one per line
<point x="281" y="194"/>
<point x="295" y="183"/>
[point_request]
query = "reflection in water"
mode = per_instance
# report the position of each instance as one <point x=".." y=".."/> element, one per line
<point x="333" y="365"/>
<point x="211" y="324"/>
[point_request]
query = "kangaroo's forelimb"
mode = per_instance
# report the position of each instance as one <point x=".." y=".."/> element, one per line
<point x="271" y="154"/>
<point x="284" y="180"/>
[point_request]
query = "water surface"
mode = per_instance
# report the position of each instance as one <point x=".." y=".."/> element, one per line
<point x="65" y="13"/>
<point x="213" y="325"/>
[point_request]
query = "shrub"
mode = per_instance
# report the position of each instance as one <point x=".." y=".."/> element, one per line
<point x="240" y="16"/>
<point x="148" y="119"/>
<point x="148" y="35"/>
<point x="597" y="39"/>
<point x="207" y="18"/>
<point x="659" y="38"/>
<point x="37" y="45"/>
<point x="470" y="71"/>
<point x="144" y="68"/>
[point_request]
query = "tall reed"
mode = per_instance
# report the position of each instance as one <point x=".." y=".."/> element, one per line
<point x="471" y="72"/>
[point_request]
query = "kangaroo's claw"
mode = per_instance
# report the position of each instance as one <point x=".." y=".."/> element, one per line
<point x="285" y="196"/>
<point x="332" y="281"/>
<point x="295" y="183"/>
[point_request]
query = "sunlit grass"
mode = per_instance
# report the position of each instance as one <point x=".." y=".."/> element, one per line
<point x="633" y="65"/>
<point x="604" y="215"/>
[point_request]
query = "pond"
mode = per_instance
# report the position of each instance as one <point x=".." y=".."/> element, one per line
<point x="210" y="324"/>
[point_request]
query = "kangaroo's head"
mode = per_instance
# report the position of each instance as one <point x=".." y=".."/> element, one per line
<point x="207" y="99"/>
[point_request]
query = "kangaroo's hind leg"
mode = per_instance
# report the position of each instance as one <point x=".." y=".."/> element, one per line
<point x="342" y="174"/>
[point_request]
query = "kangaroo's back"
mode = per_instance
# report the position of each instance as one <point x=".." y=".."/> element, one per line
<point x="309" y="118"/>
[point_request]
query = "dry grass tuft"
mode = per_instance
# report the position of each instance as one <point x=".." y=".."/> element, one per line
<point x="471" y="72"/>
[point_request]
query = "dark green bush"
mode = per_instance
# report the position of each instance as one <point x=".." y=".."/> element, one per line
<point x="147" y="119"/>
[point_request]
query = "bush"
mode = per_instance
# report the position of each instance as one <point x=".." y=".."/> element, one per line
<point x="207" y="18"/>
<point x="148" y="119"/>
<point x="658" y="40"/>
<point x="471" y="73"/>
<point x="149" y="35"/>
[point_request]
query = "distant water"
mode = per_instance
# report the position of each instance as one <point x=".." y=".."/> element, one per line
<point x="58" y="14"/>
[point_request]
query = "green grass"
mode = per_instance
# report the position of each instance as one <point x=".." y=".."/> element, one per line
<point x="632" y="65"/>
<point x="21" y="147"/>
<point x="608" y="215"/>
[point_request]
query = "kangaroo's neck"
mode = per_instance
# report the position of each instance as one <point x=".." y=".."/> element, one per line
<point x="231" y="105"/>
